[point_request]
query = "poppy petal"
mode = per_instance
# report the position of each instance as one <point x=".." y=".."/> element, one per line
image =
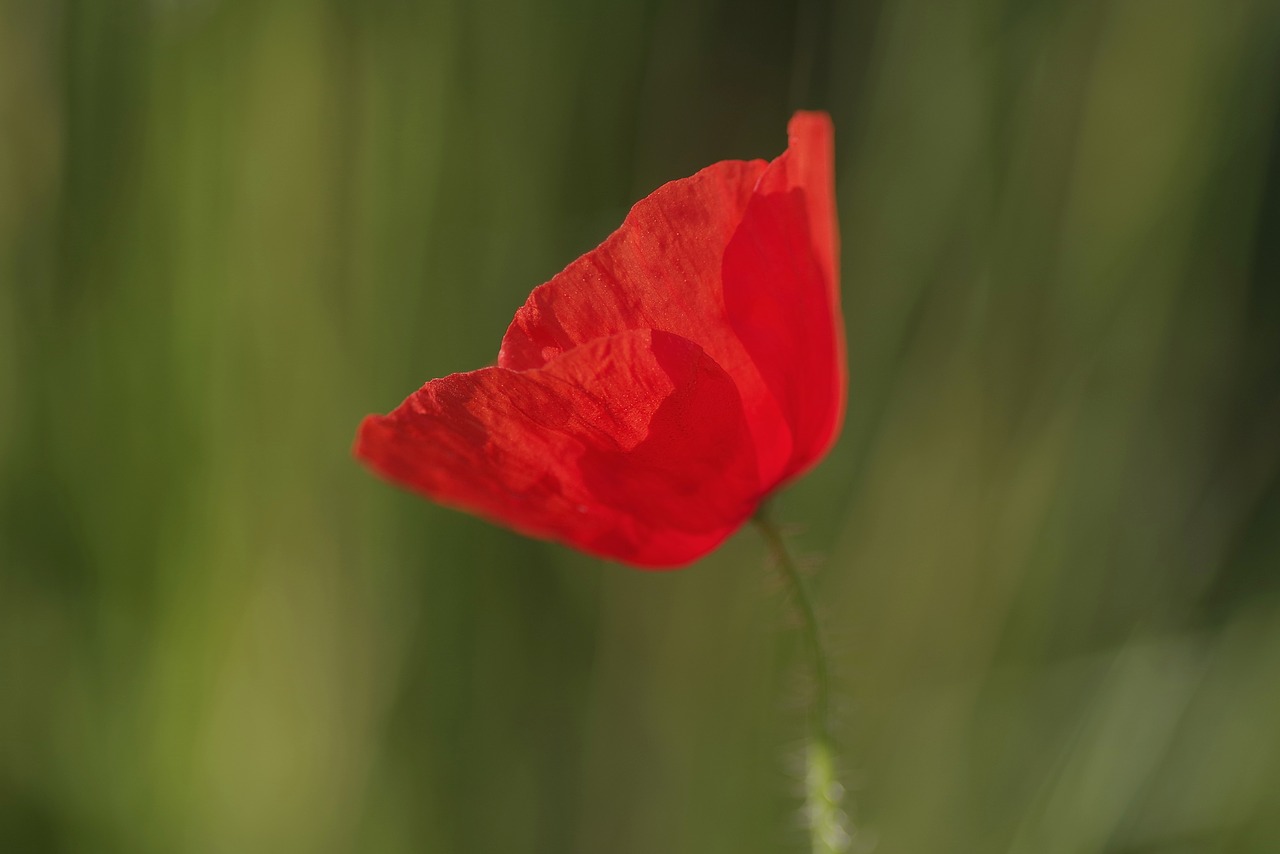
<point x="634" y="447"/>
<point x="662" y="269"/>
<point x="781" y="288"/>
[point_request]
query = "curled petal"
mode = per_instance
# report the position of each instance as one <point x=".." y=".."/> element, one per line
<point x="782" y="290"/>
<point x="662" y="269"/>
<point x="634" y="447"/>
<point x="742" y="258"/>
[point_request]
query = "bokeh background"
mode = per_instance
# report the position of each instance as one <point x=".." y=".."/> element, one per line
<point x="1047" y="546"/>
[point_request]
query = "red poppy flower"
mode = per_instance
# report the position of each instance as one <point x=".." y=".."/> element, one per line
<point x="652" y="394"/>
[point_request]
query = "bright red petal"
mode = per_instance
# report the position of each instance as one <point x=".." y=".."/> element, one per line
<point x="741" y="258"/>
<point x="633" y="447"/>
<point x="782" y="289"/>
<point x="650" y="395"/>
<point x="662" y="269"/>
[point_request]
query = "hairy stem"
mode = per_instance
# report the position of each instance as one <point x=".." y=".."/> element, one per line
<point x="827" y="832"/>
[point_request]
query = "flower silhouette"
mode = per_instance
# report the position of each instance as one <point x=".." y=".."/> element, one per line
<point x="651" y="395"/>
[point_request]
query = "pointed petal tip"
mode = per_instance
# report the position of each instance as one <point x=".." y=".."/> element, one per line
<point x="809" y="127"/>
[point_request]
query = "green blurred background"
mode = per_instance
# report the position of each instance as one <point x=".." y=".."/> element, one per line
<point x="1047" y="546"/>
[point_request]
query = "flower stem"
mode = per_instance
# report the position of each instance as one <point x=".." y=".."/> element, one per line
<point x="823" y="792"/>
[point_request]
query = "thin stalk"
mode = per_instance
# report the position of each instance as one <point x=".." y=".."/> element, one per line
<point x="823" y="792"/>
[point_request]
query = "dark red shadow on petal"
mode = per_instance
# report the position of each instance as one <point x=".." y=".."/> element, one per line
<point x="695" y="471"/>
<point x="778" y="301"/>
